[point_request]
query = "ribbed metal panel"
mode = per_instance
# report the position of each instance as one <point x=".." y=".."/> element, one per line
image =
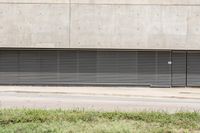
<point x="163" y="69"/>
<point x="193" y="69"/>
<point x="127" y="67"/>
<point x="48" y="67"/>
<point x="107" y="67"/>
<point x="179" y="68"/>
<point x="29" y="67"/>
<point x="68" y="67"/>
<point x="117" y="67"/>
<point x="9" y="67"/>
<point x="87" y="61"/>
<point x="146" y="68"/>
<point x="85" y="67"/>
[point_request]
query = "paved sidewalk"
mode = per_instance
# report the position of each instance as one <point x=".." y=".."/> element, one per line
<point x="180" y="93"/>
<point x="101" y="98"/>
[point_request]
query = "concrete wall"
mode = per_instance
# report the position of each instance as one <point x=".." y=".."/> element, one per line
<point x="112" y="24"/>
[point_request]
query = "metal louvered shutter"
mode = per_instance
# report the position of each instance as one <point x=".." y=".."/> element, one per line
<point x="107" y="67"/>
<point x="87" y="67"/>
<point x="117" y="67"/>
<point x="29" y="67"/>
<point x="9" y="67"/>
<point x="163" y="69"/>
<point x="127" y="67"/>
<point x="146" y="68"/>
<point x="64" y="67"/>
<point x="48" y="67"/>
<point x="68" y="68"/>
<point x="193" y="69"/>
<point x="179" y="68"/>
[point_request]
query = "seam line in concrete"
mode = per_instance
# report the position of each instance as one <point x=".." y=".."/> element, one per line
<point x="70" y="24"/>
<point x="23" y="3"/>
<point x="137" y="4"/>
<point x="103" y="4"/>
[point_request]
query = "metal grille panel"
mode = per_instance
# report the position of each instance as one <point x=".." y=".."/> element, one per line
<point x="146" y="68"/>
<point x="68" y="68"/>
<point x="179" y="69"/>
<point x="87" y="67"/>
<point x="47" y="67"/>
<point x="107" y="67"/>
<point x="193" y="69"/>
<point x="163" y="69"/>
<point x="29" y="67"/>
<point x="9" y="67"/>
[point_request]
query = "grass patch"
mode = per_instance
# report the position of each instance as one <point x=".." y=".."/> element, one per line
<point x="60" y="121"/>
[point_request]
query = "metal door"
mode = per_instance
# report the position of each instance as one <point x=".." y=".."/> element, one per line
<point x="179" y="76"/>
<point x="163" y="69"/>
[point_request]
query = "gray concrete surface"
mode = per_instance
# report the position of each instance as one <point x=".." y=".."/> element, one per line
<point x="106" y="24"/>
<point x="161" y="2"/>
<point x="101" y="98"/>
<point x="34" y="25"/>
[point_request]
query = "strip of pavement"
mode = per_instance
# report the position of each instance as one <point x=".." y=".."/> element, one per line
<point x="101" y="98"/>
<point x="181" y="93"/>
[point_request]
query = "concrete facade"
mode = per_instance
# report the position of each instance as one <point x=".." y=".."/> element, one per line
<point x="103" y="24"/>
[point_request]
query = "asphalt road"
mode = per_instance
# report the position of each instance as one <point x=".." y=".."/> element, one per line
<point x="90" y="102"/>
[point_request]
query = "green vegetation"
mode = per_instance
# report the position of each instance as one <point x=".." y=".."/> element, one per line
<point x="59" y="121"/>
